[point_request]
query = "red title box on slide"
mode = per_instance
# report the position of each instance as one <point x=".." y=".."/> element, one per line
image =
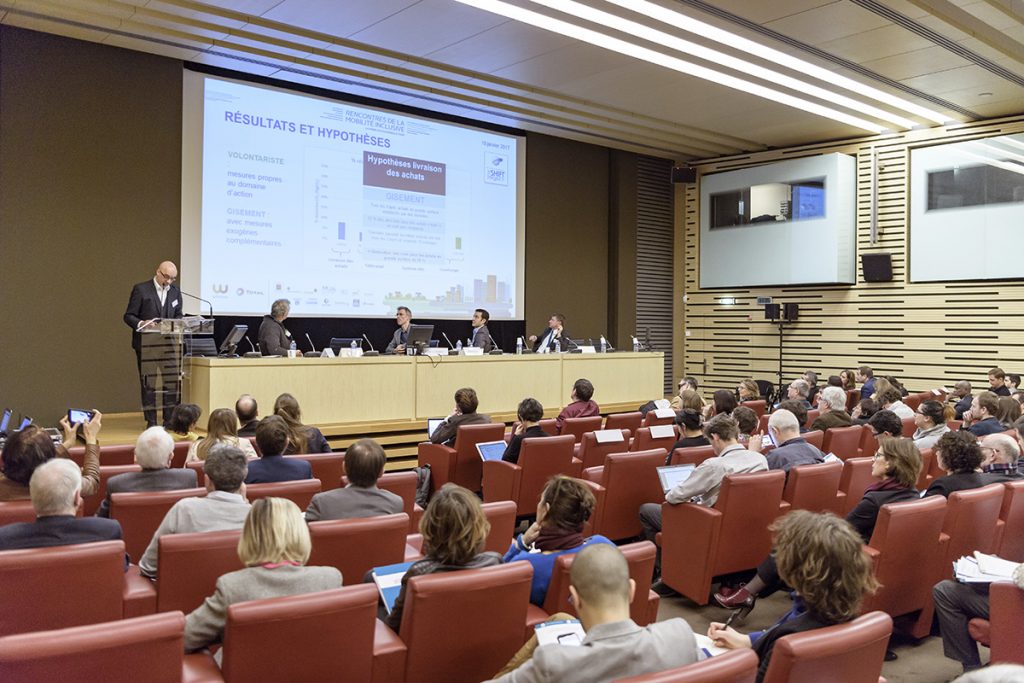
<point x="403" y="173"/>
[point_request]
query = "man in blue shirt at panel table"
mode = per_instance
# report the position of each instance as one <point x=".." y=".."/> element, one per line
<point x="272" y="466"/>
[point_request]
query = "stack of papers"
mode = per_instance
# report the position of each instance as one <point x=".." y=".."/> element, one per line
<point x="982" y="568"/>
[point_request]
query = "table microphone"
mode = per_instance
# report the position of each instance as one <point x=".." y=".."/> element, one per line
<point x="450" y="345"/>
<point x="199" y="298"/>
<point x="371" y="352"/>
<point x="314" y="353"/>
<point x="255" y="353"/>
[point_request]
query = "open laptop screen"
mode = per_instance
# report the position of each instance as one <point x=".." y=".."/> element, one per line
<point x="432" y="424"/>
<point x="491" y="450"/>
<point x="673" y="475"/>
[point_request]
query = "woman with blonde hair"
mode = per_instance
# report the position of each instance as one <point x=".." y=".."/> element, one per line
<point x="222" y="427"/>
<point x="274" y="548"/>
<point x="454" y="530"/>
<point x="822" y="557"/>
<point x="301" y="438"/>
<point x="748" y="391"/>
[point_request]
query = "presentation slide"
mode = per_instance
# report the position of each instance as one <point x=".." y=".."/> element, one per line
<point x="346" y="210"/>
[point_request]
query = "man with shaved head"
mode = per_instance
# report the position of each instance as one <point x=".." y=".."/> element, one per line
<point x="615" y="647"/>
<point x="150" y="301"/>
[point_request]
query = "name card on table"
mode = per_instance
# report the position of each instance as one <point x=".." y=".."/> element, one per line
<point x="665" y="412"/>
<point x="471" y="351"/>
<point x="662" y="431"/>
<point x="608" y="435"/>
<point x="588" y="349"/>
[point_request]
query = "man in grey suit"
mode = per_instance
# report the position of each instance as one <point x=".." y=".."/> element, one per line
<point x="464" y="413"/>
<point x="153" y="451"/>
<point x="481" y="337"/>
<point x="404" y="319"/>
<point x="364" y="464"/>
<point x="615" y="647"/>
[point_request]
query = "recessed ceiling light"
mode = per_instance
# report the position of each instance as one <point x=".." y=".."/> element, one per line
<point x="679" y="20"/>
<point x="682" y="66"/>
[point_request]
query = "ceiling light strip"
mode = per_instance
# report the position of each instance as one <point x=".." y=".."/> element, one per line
<point x="668" y="16"/>
<point x="637" y="52"/>
<point x="741" y="65"/>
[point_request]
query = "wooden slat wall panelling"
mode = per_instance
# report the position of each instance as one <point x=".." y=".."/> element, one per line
<point x="654" y="256"/>
<point x="926" y="334"/>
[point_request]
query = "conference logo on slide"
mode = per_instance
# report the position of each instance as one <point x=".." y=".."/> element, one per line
<point x="220" y="289"/>
<point x="495" y="168"/>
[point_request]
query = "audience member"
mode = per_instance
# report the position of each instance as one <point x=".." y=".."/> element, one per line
<point x="885" y="425"/>
<point x="274" y="548"/>
<point x="821" y="557"/>
<point x="690" y="420"/>
<point x="182" y="425"/>
<point x="866" y="377"/>
<point x="581" y="403"/>
<point x="930" y="424"/>
<point x="1000" y="455"/>
<point x="364" y="465"/>
<point x="464" y="413"/>
<point x="530" y="413"/>
<point x="997" y="382"/>
<point x="1009" y="411"/>
<point x="1012" y="383"/>
<point x="862" y="412"/>
<point x="703" y="485"/>
<point x="962" y="392"/>
<point x="748" y="391"/>
<point x="248" y="413"/>
<point x="688" y="396"/>
<point x="791" y="449"/>
<point x="302" y="439"/>
<point x="797" y="391"/>
<point x="56" y="490"/>
<point x="224" y="507"/>
<point x="614" y="647"/>
<point x="959" y="455"/>
<point x="221" y="428"/>
<point x="723" y="403"/>
<point x="29" y="448"/>
<point x="891" y="399"/>
<point x="746" y="420"/>
<point x="565" y="506"/>
<point x="835" y="381"/>
<point x="895" y="467"/>
<point x="403" y="318"/>
<point x="832" y="408"/>
<point x="154" y="450"/>
<point x="981" y="419"/>
<point x="454" y="530"/>
<point x="811" y="378"/>
<point x="955" y="605"/>
<point x="848" y="379"/>
<point x="272" y="436"/>
<point x="881" y="384"/>
<point x="897" y="385"/>
<point x="799" y="410"/>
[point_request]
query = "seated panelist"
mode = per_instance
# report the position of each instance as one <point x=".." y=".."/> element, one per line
<point x="545" y="342"/>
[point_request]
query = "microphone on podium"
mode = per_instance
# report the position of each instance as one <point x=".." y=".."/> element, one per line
<point x="450" y="345"/>
<point x="372" y="351"/>
<point x="314" y="353"/>
<point x="199" y="298"/>
<point x="255" y="353"/>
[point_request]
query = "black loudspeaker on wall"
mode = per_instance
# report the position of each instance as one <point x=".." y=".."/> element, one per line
<point x="681" y="174"/>
<point x="772" y="312"/>
<point x="791" y="311"/>
<point x="876" y="267"/>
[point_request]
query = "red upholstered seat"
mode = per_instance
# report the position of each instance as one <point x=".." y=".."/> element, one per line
<point x="815" y="438"/>
<point x="813" y="487"/>
<point x="631" y="421"/>
<point x="539" y="460"/>
<point x="694" y="455"/>
<point x="852" y="399"/>
<point x="188" y="566"/>
<point x="463" y="626"/>
<point x="628" y="481"/>
<point x="699" y="543"/>
<point x="460" y="465"/>
<point x="734" y="666"/>
<point x="355" y="546"/>
<point x="592" y="454"/>
<point x="300" y="491"/>
<point x="14" y="511"/>
<point x="1003" y="631"/>
<point x="146" y="648"/>
<point x="906" y="535"/>
<point x="403" y="484"/>
<point x="868" y="443"/>
<point x="321" y="636"/>
<point x="843" y="442"/>
<point x="759" y="407"/>
<point x="578" y="426"/>
<point x="199" y="467"/>
<point x="1010" y="530"/>
<point x="180" y="453"/>
<point x="140" y="514"/>
<point x="645" y="442"/>
<point x="913" y="401"/>
<point x="329" y="468"/>
<point x="32" y="598"/>
<point x="92" y="503"/>
<point x="812" y="415"/>
<point x="909" y="427"/>
<point x="853" y="482"/>
<point x="123" y="454"/>
<point x="851" y="653"/>
<point x="651" y="420"/>
<point x="925" y="477"/>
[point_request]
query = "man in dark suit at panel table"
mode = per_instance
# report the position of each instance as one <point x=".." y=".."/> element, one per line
<point x="545" y="342"/>
<point x="150" y="301"/>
